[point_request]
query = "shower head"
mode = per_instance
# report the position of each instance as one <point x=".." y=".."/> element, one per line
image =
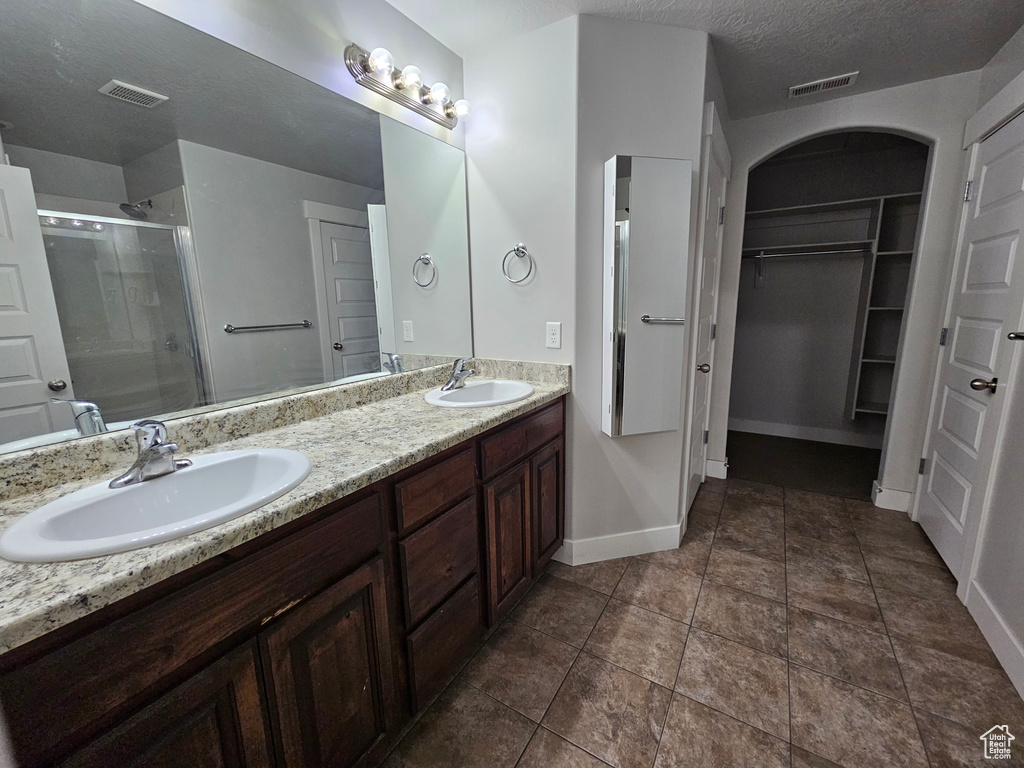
<point x="135" y="209"/>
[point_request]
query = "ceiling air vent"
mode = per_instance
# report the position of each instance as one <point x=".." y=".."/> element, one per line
<point x="132" y="94"/>
<point x="820" y="86"/>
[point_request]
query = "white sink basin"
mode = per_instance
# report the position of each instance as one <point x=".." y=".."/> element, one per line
<point x="476" y="394"/>
<point x="101" y="521"/>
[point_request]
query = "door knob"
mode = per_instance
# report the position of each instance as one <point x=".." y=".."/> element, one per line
<point x="337" y="345"/>
<point x="57" y="385"/>
<point x="980" y="384"/>
<point x="1016" y="336"/>
<point x="704" y="368"/>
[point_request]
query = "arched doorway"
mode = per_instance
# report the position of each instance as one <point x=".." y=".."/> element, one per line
<point x="829" y="246"/>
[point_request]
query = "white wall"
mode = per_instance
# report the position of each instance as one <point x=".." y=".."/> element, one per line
<point x="256" y="267"/>
<point x="627" y="485"/>
<point x="1002" y="68"/>
<point x="309" y="37"/>
<point x="425" y="187"/>
<point x="156" y="172"/>
<point x="794" y="337"/>
<point x="521" y="147"/>
<point x="934" y="111"/>
<point x="68" y="176"/>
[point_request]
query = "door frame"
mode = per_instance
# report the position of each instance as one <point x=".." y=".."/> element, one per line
<point x="317" y="214"/>
<point x="714" y="147"/>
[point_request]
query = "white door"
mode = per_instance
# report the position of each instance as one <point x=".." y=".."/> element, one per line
<point x="715" y="163"/>
<point x="987" y="294"/>
<point x="380" y="254"/>
<point x="31" y="345"/>
<point x="351" y="309"/>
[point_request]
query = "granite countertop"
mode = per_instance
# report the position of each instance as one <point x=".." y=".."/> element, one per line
<point x="349" y="449"/>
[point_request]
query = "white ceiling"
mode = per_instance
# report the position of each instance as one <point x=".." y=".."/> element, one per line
<point x="764" y="46"/>
<point x="55" y="54"/>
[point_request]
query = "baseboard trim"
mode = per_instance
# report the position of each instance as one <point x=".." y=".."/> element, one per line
<point x="583" y="551"/>
<point x="1007" y="648"/>
<point x="890" y="498"/>
<point x="817" y="434"/>
<point x="717" y="469"/>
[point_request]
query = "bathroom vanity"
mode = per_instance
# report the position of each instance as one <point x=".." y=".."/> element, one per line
<point x="315" y="642"/>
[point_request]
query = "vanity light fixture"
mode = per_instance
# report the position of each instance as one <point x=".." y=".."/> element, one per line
<point x="376" y="70"/>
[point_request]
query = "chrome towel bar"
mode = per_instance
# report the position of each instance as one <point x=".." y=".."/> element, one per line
<point x="649" y="319"/>
<point x="229" y="328"/>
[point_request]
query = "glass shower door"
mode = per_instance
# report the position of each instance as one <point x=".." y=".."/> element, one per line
<point x="124" y="315"/>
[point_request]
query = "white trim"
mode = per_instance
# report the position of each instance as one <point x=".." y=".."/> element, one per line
<point x="997" y="112"/>
<point x="1007" y="648"/>
<point x="717" y="469"/>
<point x="817" y="434"/>
<point x="335" y="214"/>
<point x="583" y="551"/>
<point x="890" y="498"/>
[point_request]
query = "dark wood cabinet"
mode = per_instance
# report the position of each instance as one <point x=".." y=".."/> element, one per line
<point x="547" y="480"/>
<point x="314" y="644"/>
<point x="328" y="669"/>
<point x="213" y="720"/>
<point x="507" y="520"/>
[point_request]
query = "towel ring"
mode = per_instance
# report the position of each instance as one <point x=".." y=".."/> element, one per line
<point x="520" y="252"/>
<point x="424" y="259"/>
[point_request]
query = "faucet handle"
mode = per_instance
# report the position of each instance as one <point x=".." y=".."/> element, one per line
<point x="460" y="364"/>
<point x="149" y="432"/>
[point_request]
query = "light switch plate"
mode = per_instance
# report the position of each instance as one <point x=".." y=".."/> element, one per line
<point x="407" y="330"/>
<point x="554" y="336"/>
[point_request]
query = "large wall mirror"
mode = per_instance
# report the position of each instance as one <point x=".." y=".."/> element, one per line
<point x="209" y="228"/>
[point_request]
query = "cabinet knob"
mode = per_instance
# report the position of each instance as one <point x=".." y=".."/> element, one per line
<point x="337" y="345"/>
<point x="704" y="368"/>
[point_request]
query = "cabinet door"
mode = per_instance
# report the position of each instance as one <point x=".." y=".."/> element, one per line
<point x="329" y="664"/>
<point x="508" y="538"/>
<point x="212" y="720"/>
<point x="547" y="471"/>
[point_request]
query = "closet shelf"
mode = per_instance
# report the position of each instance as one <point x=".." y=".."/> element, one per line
<point x="857" y="202"/>
<point x="885" y="309"/>
<point x="879" y="359"/>
<point x="895" y="253"/>
<point x="868" y="407"/>
<point x="786" y="250"/>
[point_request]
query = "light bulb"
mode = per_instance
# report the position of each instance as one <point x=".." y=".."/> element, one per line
<point x="439" y="94"/>
<point x="411" y="77"/>
<point x="97" y="227"/>
<point x="461" y="108"/>
<point x="380" y="61"/>
<point x="53" y="221"/>
<point x="76" y="223"/>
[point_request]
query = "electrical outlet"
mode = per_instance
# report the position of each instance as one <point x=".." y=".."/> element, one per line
<point x="554" y="336"/>
<point x="407" y="330"/>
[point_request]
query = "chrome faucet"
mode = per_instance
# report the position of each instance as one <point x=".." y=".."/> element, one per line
<point x="88" y="419"/>
<point x="460" y="373"/>
<point x="156" y="455"/>
<point x="394" y="364"/>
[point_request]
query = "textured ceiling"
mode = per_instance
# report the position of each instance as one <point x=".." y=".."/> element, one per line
<point x="764" y="46"/>
<point x="54" y="54"/>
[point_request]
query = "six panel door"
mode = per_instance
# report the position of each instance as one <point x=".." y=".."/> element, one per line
<point x="213" y="720"/>
<point x="507" y="519"/>
<point x="546" y="469"/>
<point x="328" y="664"/>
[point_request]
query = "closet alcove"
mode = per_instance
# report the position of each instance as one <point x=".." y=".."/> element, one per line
<point x="828" y="247"/>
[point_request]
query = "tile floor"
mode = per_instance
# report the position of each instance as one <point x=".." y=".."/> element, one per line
<point x="788" y="629"/>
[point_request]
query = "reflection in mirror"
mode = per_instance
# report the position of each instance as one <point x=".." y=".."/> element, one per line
<point x="250" y="234"/>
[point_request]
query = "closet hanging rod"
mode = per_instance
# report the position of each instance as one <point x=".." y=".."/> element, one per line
<point x="766" y="255"/>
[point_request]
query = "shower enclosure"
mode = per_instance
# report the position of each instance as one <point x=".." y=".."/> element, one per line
<point x="126" y="314"/>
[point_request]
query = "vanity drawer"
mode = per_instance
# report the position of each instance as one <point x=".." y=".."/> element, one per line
<point x="521" y="439"/>
<point x="441" y="642"/>
<point x="423" y="495"/>
<point x="438" y="557"/>
<point x="64" y="697"/>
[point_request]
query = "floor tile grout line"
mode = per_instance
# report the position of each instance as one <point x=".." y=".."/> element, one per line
<point x="731" y="716"/>
<point x="899" y="667"/>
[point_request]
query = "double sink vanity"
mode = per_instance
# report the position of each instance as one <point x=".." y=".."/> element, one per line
<point x="371" y="539"/>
